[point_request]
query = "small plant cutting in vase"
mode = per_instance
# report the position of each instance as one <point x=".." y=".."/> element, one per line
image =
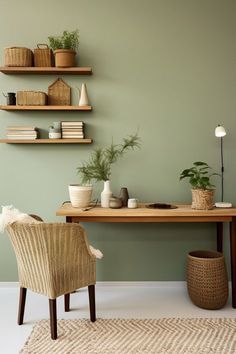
<point x="99" y="165"/>
<point x="202" y="189"/>
<point x="65" y="48"/>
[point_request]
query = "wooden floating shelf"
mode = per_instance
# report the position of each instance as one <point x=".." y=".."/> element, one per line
<point x="46" y="70"/>
<point x="47" y="141"/>
<point x="46" y="108"/>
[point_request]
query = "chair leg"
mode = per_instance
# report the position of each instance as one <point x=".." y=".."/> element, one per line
<point x="53" y="317"/>
<point x="92" y="306"/>
<point x="67" y="302"/>
<point x="21" y="305"/>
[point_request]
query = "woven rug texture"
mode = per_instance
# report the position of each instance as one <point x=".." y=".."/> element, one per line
<point x="121" y="336"/>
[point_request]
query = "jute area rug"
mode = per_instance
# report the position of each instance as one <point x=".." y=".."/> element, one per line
<point x="120" y="336"/>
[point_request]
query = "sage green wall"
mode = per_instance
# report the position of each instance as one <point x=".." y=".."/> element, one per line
<point x="166" y="67"/>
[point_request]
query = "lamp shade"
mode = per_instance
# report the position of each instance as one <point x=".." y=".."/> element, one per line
<point x="220" y="131"/>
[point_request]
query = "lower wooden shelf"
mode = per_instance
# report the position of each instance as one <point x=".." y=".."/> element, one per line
<point x="47" y="141"/>
<point x="46" y="108"/>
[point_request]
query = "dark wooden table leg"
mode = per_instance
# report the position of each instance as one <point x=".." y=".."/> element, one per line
<point x="68" y="219"/>
<point x="53" y="317"/>
<point x="233" y="259"/>
<point x="219" y="233"/>
<point x="92" y="304"/>
<point x="67" y="302"/>
<point x="21" y="305"/>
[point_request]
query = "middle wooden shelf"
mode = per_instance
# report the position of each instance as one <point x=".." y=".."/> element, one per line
<point x="45" y="108"/>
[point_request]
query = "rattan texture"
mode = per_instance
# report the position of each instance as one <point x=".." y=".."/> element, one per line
<point x="18" y="56"/>
<point x="59" y="93"/>
<point x="53" y="258"/>
<point x="202" y="199"/>
<point x="31" y="98"/>
<point x="207" y="279"/>
<point x="43" y="57"/>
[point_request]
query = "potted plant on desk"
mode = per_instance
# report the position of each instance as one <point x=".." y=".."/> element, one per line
<point x="98" y="167"/>
<point x="65" y="48"/>
<point x="202" y="189"/>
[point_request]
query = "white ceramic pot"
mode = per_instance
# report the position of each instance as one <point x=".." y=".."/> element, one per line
<point x="80" y="196"/>
<point x="106" y="195"/>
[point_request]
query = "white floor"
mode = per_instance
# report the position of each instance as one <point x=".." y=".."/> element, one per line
<point x="113" y="301"/>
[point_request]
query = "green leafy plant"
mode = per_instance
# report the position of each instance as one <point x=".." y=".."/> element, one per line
<point x="199" y="176"/>
<point x="98" y="167"/>
<point x="68" y="40"/>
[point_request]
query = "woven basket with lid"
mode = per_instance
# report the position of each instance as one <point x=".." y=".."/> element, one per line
<point x="207" y="280"/>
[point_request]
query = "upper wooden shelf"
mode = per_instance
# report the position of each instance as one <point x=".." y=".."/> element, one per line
<point x="46" y="70"/>
<point x="47" y="141"/>
<point x="46" y="108"/>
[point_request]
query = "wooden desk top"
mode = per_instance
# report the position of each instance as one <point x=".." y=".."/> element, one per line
<point x="183" y="213"/>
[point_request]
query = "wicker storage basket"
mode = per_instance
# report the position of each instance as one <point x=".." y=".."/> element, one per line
<point x="18" y="56"/>
<point x="31" y="98"/>
<point x="207" y="279"/>
<point x="59" y="93"/>
<point x="43" y="56"/>
<point x="202" y="199"/>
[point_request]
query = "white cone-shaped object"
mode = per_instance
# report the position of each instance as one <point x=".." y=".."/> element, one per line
<point x="84" y="100"/>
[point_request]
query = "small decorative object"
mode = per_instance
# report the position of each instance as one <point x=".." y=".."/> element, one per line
<point x="124" y="196"/>
<point x="106" y="194"/>
<point x="132" y="203"/>
<point x="80" y="196"/>
<point x="161" y="206"/>
<point x="54" y="133"/>
<point x="65" y="48"/>
<point x="83" y="96"/>
<point x="207" y="279"/>
<point x="11" y="98"/>
<point x="115" y="203"/>
<point x="57" y="125"/>
<point x="31" y="98"/>
<point x="202" y="189"/>
<point x="18" y="56"/>
<point x="43" y="56"/>
<point x="220" y="132"/>
<point x="98" y="168"/>
<point x="59" y="93"/>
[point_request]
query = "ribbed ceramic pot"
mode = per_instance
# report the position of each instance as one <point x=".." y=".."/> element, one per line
<point x="80" y="196"/>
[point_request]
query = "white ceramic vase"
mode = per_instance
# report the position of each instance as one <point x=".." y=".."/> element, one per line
<point x="80" y="196"/>
<point x="106" y="195"/>
<point x="83" y="96"/>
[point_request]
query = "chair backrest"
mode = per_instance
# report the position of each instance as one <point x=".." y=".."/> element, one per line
<point x="49" y="254"/>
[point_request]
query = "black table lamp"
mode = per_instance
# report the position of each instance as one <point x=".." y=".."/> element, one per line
<point x="220" y="132"/>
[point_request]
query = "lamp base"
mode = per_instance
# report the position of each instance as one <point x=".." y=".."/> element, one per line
<point x="223" y="205"/>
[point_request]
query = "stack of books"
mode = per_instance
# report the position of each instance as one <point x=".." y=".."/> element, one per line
<point x="22" y="133"/>
<point x="72" y="129"/>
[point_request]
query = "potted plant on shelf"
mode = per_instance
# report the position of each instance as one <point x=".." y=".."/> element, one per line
<point x="65" y="48"/>
<point x="98" y="168"/>
<point x="202" y="188"/>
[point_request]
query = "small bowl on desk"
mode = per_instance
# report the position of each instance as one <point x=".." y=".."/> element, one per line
<point x="115" y="203"/>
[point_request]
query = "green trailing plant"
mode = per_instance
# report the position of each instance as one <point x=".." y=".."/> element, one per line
<point x="199" y="176"/>
<point x="98" y="167"/>
<point x="68" y="40"/>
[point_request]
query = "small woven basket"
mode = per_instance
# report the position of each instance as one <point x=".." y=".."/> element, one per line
<point x="43" y="56"/>
<point x="207" y="280"/>
<point x="31" y="98"/>
<point x="202" y="199"/>
<point x="18" y="56"/>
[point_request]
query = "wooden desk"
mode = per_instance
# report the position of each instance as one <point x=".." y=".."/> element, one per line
<point x="183" y="213"/>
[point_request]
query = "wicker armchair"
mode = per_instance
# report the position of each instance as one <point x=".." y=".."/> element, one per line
<point x="53" y="259"/>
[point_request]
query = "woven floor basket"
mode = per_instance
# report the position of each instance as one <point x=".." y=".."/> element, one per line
<point x="207" y="279"/>
<point x="202" y="199"/>
<point x="18" y="56"/>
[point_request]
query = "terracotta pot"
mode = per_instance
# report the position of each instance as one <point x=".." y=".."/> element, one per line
<point x="64" y="58"/>
<point x="202" y="199"/>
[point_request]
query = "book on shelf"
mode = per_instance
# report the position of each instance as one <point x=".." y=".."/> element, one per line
<point x="72" y="136"/>
<point x="71" y="122"/>
<point x="20" y="128"/>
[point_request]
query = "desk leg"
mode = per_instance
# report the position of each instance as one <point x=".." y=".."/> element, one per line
<point x="68" y="219"/>
<point x="219" y="233"/>
<point x="233" y="259"/>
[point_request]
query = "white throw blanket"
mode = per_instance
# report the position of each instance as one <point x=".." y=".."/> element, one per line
<point x="11" y="214"/>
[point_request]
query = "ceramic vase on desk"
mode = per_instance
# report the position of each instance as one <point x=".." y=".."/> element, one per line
<point x="124" y="195"/>
<point x="106" y="195"/>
